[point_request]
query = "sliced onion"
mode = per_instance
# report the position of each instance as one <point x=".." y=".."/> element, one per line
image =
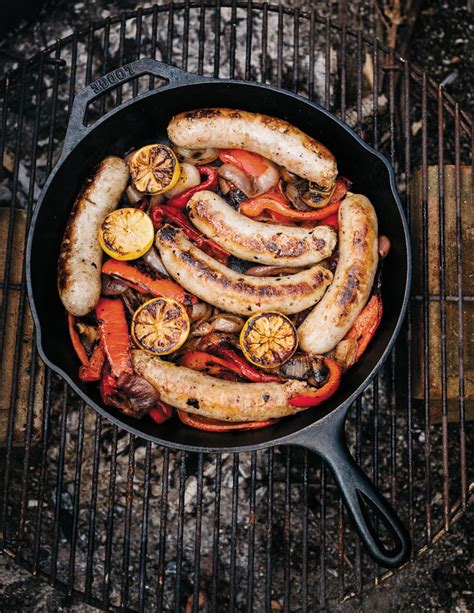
<point x="133" y="194"/>
<point x="293" y="194"/>
<point x="188" y="178"/>
<point x="268" y="179"/>
<point x="345" y="353"/>
<point x="287" y="176"/>
<point x="153" y="261"/>
<point x="271" y="271"/>
<point x="230" y="324"/>
<point x="298" y="367"/>
<point x="201" y="311"/>
<point x="196" y="157"/>
<point x="226" y="323"/>
<point x="112" y="286"/>
<point x="157" y="199"/>
<point x="237" y="177"/>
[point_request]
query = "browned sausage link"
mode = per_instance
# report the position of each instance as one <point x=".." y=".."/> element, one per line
<point x="271" y="137"/>
<point x="80" y="257"/>
<point x="332" y="318"/>
<point x="235" y="292"/>
<point x="256" y="241"/>
<point x="215" y="398"/>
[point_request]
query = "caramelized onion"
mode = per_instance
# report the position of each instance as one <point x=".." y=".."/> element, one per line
<point x="188" y="178"/>
<point x="201" y="311"/>
<point x="153" y="261"/>
<point x="112" y="286"/>
<point x="137" y="396"/>
<point x="230" y="324"/>
<point x="237" y="177"/>
<point x="133" y="194"/>
<point x="268" y="179"/>
<point x="197" y="157"/>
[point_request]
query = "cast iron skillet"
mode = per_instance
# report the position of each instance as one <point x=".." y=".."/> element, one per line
<point x="143" y="120"/>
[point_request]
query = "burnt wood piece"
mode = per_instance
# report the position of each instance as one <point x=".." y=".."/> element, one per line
<point x="450" y="297"/>
<point x="16" y="393"/>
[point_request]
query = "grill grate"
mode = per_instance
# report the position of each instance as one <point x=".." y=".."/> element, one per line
<point x="119" y="522"/>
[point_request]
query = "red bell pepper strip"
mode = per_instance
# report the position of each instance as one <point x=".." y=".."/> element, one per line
<point x="331" y="220"/>
<point x="205" y="362"/>
<point x="243" y="368"/>
<point x="214" y="365"/>
<point x="143" y="283"/>
<point x="366" y="324"/>
<point x="341" y="188"/>
<point x="210" y="183"/>
<point x="271" y="202"/>
<point x="92" y="371"/>
<point x="76" y="341"/>
<point x="320" y="395"/>
<point x="160" y="213"/>
<point x="113" y="329"/>
<point x="107" y="387"/>
<point x="251" y="163"/>
<point x="215" y="425"/>
<point x="161" y="412"/>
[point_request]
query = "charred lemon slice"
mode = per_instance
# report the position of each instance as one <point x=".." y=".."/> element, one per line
<point x="154" y="169"/>
<point x="268" y="339"/>
<point x="160" y="326"/>
<point x="126" y="234"/>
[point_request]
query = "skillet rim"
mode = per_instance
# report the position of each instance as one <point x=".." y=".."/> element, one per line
<point x="331" y="419"/>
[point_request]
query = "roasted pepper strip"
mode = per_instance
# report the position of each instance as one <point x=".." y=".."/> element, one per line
<point x="214" y="425"/>
<point x="366" y="324"/>
<point x="161" y="213"/>
<point x="143" y="283"/>
<point x="251" y="163"/>
<point x="76" y="341"/>
<point x="92" y="371"/>
<point x="210" y="183"/>
<point x="113" y="329"/>
<point x="214" y="365"/>
<point x="320" y="395"/>
<point x="243" y="368"/>
<point x="161" y="412"/>
<point x="341" y="188"/>
<point x="331" y="220"/>
<point x="275" y="204"/>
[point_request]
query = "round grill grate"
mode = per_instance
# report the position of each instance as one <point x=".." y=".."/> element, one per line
<point x="118" y="522"/>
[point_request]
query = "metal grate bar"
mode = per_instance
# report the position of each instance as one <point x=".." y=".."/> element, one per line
<point x="462" y="433"/>
<point x="216" y="532"/>
<point x="426" y="314"/>
<point x="252" y="520"/>
<point x="142" y="588"/>
<point x="198" y="532"/>
<point x="93" y="509"/>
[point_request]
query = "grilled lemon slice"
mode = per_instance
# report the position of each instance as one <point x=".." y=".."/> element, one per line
<point x="160" y="326"/>
<point x="154" y="169"/>
<point x="268" y="339"/>
<point x="126" y="234"/>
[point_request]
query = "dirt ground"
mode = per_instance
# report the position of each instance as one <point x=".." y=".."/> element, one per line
<point x="443" y="579"/>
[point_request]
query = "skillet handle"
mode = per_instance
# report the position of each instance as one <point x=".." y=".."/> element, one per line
<point x="76" y="129"/>
<point x="360" y="494"/>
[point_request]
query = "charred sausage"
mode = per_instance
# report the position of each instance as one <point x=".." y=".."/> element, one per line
<point x="196" y="392"/>
<point x="274" y="138"/>
<point x="80" y="256"/>
<point x="256" y="241"/>
<point x="220" y="286"/>
<point x="331" y="319"/>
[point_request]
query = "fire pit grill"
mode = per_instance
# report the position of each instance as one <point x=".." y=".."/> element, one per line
<point x="118" y="522"/>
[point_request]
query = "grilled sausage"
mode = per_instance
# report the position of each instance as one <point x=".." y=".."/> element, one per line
<point x="274" y="138"/>
<point x="256" y="241"/>
<point x="220" y="286"/>
<point x="196" y="392"/>
<point x="331" y="319"/>
<point x="80" y="257"/>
